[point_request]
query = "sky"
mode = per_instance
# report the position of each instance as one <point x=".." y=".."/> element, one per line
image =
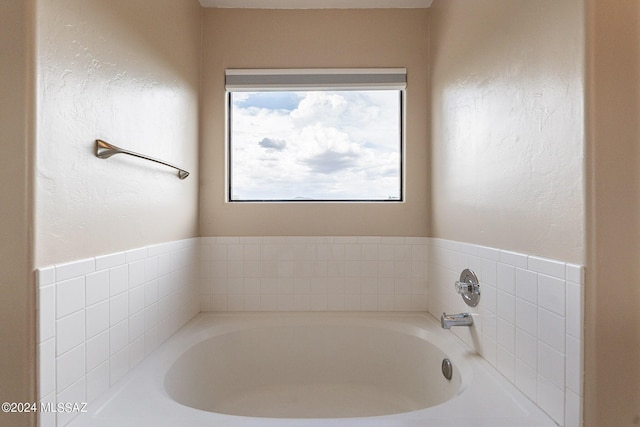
<point x="316" y="145"/>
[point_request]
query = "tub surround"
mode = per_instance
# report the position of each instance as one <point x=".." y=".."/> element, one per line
<point x="528" y="323"/>
<point x="100" y="317"/>
<point x="314" y="273"/>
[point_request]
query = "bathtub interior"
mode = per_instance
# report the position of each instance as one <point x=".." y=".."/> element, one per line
<point x="168" y="389"/>
<point x="315" y="370"/>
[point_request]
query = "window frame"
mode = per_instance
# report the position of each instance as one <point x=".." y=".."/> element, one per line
<point x="347" y="84"/>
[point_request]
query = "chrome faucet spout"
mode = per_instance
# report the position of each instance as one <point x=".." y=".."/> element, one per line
<point x="458" y="319"/>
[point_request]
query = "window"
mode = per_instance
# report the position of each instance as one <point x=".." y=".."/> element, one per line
<point x="315" y="135"/>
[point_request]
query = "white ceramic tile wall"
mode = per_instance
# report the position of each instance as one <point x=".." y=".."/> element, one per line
<point x="100" y="317"/>
<point x="313" y="273"/>
<point x="528" y="323"/>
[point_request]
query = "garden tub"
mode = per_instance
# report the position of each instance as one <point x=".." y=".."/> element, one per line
<point x="313" y="369"/>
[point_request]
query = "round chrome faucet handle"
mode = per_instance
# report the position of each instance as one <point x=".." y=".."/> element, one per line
<point x="469" y="287"/>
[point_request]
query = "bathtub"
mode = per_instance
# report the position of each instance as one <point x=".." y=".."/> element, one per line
<point x="312" y="369"/>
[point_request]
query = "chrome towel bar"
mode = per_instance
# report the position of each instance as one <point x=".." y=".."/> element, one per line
<point x="104" y="150"/>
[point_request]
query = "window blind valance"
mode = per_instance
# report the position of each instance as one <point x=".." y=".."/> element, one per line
<point x="315" y="79"/>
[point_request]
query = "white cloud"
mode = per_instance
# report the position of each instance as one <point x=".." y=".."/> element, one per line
<point x="320" y="107"/>
<point x="334" y="145"/>
<point x="273" y="144"/>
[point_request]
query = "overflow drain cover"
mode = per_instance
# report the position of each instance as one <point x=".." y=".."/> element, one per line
<point x="447" y="368"/>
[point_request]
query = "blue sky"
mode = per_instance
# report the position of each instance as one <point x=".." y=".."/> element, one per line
<point x="320" y="145"/>
<point x="270" y="100"/>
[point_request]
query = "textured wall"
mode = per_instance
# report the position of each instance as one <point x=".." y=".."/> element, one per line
<point x="507" y="117"/>
<point x="111" y="70"/>
<point x="314" y="39"/>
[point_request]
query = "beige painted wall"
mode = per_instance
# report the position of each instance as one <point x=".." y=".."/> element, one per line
<point x="236" y="38"/>
<point x="612" y="319"/>
<point x="126" y="71"/>
<point x="507" y="115"/>
<point x="17" y="308"/>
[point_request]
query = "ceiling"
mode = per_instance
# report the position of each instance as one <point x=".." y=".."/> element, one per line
<point x="318" y="4"/>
